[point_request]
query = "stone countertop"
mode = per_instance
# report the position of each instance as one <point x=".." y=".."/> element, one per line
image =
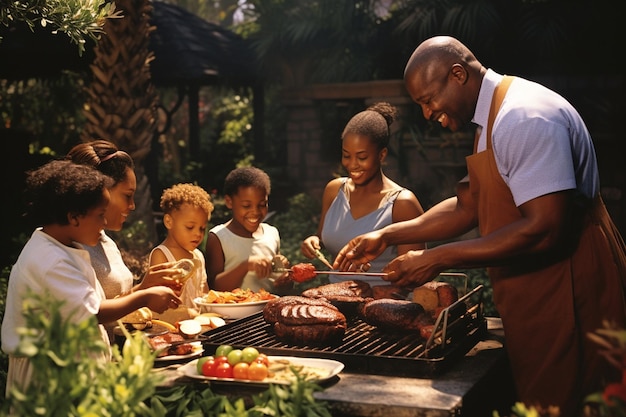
<point x="476" y="385"/>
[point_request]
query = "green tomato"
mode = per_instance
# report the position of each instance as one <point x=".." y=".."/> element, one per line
<point x="223" y="350"/>
<point x="234" y="356"/>
<point x="248" y="354"/>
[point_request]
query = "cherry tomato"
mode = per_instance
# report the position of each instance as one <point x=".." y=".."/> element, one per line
<point x="262" y="358"/>
<point x="221" y="359"/>
<point x="257" y="371"/>
<point x="209" y="367"/>
<point x="240" y="370"/>
<point x="224" y="370"/>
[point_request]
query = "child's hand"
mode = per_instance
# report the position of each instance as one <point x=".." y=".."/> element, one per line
<point x="162" y="274"/>
<point x="161" y="298"/>
<point x="260" y="265"/>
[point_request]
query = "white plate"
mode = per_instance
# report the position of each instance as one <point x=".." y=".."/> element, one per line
<point x="197" y="351"/>
<point x="330" y="367"/>
<point x="231" y="310"/>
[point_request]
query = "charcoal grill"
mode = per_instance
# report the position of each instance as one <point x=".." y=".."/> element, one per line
<point x="366" y="349"/>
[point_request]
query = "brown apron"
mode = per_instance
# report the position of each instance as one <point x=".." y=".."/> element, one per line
<point x="548" y="306"/>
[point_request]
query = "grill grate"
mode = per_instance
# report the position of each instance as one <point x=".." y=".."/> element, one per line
<point x="366" y="349"/>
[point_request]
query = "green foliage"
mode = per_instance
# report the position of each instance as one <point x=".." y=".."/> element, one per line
<point x="46" y="109"/>
<point x="71" y="373"/>
<point x="301" y="401"/>
<point x="299" y="221"/>
<point x="319" y="41"/>
<point x="79" y="19"/>
<point x="69" y="380"/>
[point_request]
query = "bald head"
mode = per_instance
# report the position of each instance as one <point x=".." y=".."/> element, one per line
<point x="439" y="53"/>
<point x="444" y="77"/>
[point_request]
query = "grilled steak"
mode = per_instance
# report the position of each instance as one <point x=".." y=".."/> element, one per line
<point x="272" y="310"/>
<point x="347" y="296"/>
<point x="310" y="334"/>
<point x="307" y="321"/>
<point x="162" y="344"/>
<point x="388" y="291"/>
<point x="341" y="291"/>
<point x="388" y="314"/>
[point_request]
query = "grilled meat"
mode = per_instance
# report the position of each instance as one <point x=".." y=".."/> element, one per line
<point x="388" y="314"/>
<point x="341" y="291"/>
<point x="389" y="291"/>
<point x="162" y="344"/>
<point x="347" y="296"/>
<point x="302" y="320"/>
<point x="310" y="334"/>
<point x="272" y="310"/>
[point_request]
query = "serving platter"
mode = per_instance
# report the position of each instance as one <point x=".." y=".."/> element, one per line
<point x="324" y="369"/>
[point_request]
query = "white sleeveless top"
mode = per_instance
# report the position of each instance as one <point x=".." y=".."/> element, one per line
<point x="237" y="249"/>
<point x="194" y="287"/>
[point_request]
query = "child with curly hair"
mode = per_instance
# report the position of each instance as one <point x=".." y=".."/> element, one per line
<point x="186" y="209"/>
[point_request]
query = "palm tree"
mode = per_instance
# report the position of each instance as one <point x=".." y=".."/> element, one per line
<point x="122" y="102"/>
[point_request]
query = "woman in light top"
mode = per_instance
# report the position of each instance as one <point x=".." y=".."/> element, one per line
<point x="366" y="199"/>
<point x="113" y="274"/>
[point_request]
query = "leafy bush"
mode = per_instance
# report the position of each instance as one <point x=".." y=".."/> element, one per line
<point x="68" y="381"/>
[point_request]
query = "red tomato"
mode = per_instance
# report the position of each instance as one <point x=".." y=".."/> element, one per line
<point x="257" y="371"/>
<point x="240" y="371"/>
<point x="262" y="358"/>
<point x="224" y="370"/>
<point x="208" y="367"/>
<point x="221" y="359"/>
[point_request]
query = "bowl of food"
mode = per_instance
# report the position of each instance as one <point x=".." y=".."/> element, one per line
<point x="234" y="304"/>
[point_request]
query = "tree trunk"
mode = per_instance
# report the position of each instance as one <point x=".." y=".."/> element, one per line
<point x="122" y="101"/>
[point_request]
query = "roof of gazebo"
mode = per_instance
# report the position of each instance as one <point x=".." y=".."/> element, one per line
<point x="187" y="47"/>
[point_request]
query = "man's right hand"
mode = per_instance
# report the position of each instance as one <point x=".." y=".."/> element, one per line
<point x="358" y="253"/>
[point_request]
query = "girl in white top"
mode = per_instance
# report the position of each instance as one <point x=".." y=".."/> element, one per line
<point x="240" y="252"/>
<point x="187" y="208"/>
<point x="366" y="199"/>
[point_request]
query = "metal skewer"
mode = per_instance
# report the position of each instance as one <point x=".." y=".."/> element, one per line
<point x="371" y="274"/>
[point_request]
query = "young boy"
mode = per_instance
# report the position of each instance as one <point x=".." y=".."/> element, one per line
<point x="187" y="208"/>
<point x="68" y="202"/>
<point x="240" y="251"/>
